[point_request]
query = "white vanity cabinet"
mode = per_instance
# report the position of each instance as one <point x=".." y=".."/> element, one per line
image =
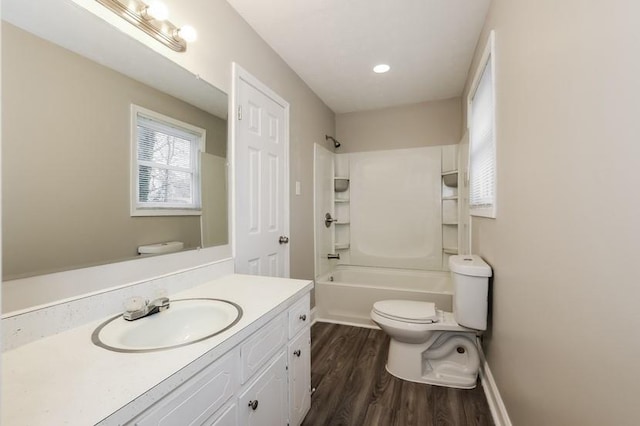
<point x="299" y="352"/>
<point x="197" y="399"/>
<point x="281" y="394"/>
<point x="265" y="380"/>
<point x="264" y="401"/>
<point x="299" y="360"/>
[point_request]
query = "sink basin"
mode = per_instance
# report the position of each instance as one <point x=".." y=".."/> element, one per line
<point x="187" y="321"/>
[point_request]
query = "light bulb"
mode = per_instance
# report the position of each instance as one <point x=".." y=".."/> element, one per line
<point x="157" y="10"/>
<point x="381" y="68"/>
<point x="187" y="33"/>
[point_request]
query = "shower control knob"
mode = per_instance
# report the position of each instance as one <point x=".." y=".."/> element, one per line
<point x="297" y="353"/>
<point x="283" y="240"/>
<point x="253" y="404"/>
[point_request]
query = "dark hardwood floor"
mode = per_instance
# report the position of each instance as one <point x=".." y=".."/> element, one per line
<point x="353" y="387"/>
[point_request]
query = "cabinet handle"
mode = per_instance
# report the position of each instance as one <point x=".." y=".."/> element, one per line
<point x="303" y="317"/>
<point x="253" y="404"/>
<point x="297" y="353"/>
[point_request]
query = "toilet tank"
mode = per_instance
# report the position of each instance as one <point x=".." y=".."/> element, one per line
<point x="470" y="275"/>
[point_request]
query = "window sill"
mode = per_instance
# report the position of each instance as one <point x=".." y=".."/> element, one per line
<point x="165" y="212"/>
<point x="488" y="212"/>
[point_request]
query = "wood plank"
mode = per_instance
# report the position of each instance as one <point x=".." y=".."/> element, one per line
<point x="336" y="366"/>
<point x="354" y="388"/>
<point x="360" y="383"/>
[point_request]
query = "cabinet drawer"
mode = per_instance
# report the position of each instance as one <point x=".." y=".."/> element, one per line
<point x="262" y="345"/>
<point x="299" y="315"/>
<point x="199" y="397"/>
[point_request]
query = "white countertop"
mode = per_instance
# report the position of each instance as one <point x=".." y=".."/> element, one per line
<point x="66" y="380"/>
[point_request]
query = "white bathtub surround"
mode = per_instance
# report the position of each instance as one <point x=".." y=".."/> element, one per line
<point x="25" y="326"/>
<point x="80" y="383"/>
<point x="396" y="215"/>
<point x="323" y="173"/>
<point x="401" y="208"/>
<point x="347" y="295"/>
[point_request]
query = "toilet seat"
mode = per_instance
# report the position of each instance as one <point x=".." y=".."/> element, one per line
<point x="407" y="311"/>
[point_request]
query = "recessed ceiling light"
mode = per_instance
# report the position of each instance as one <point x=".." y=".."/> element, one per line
<point x="381" y="68"/>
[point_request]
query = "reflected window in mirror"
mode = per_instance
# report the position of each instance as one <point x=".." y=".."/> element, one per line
<point x="166" y="175"/>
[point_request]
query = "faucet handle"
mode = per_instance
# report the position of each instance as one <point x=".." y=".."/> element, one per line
<point x="135" y="303"/>
<point x="161" y="303"/>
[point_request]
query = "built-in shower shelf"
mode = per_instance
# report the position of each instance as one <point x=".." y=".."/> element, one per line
<point x="452" y="197"/>
<point x="341" y="223"/>
<point x="450" y="223"/>
<point x="450" y="250"/>
<point x="450" y="178"/>
<point x="342" y="246"/>
<point x="341" y="200"/>
<point x="340" y="184"/>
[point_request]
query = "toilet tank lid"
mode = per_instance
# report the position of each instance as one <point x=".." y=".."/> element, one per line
<point x="469" y="264"/>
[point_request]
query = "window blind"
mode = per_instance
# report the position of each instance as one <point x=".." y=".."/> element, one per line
<point x="482" y="164"/>
<point x="167" y="165"/>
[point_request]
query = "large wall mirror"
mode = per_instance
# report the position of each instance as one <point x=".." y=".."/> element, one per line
<point x="68" y="84"/>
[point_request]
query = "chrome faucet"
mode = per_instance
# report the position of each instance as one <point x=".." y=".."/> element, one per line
<point x="158" y="305"/>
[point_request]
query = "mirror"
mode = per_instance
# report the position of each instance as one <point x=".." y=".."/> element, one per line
<point x="66" y="130"/>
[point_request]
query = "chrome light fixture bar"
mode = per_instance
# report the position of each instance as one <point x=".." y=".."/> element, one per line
<point x="136" y="12"/>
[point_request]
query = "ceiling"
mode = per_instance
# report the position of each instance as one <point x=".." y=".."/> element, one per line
<point x="334" y="44"/>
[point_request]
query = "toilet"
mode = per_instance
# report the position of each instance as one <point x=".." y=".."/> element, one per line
<point x="433" y="346"/>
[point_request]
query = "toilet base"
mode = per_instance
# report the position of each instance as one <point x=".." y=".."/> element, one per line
<point x="448" y="359"/>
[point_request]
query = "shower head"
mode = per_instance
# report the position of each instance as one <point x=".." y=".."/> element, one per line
<point x="336" y="144"/>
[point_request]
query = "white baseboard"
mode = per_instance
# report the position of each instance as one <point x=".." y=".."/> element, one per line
<point x="496" y="405"/>
<point x="316" y="319"/>
<point x="314" y="315"/>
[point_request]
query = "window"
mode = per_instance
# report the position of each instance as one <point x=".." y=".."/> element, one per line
<point x="166" y="165"/>
<point x="482" y="137"/>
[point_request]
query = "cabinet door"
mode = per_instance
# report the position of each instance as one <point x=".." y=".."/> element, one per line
<point x="300" y="376"/>
<point x="264" y="402"/>
<point x="226" y="418"/>
<point x="198" y="397"/>
<point x="263" y="345"/>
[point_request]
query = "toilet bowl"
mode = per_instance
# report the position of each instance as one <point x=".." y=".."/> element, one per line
<point x="436" y="347"/>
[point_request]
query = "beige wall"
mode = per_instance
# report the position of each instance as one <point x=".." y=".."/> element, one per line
<point x="409" y="126"/>
<point x="66" y="140"/>
<point x="564" y="344"/>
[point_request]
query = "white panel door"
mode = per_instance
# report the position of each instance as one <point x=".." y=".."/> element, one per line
<point x="262" y="179"/>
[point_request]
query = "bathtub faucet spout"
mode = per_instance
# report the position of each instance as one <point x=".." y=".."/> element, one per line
<point x="333" y="256"/>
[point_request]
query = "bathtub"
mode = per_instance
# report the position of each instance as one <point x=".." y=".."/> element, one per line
<point x="347" y="295"/>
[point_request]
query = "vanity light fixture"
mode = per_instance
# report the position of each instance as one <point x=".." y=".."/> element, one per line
<point x="381" y="68"/>
<point x="155" y="10"/>
<point x="187" y="33"/>
<point x="152" y="19"/>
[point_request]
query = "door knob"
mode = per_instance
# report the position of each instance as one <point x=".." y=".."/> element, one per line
<point x="253" y="404"/>
<point x="297" y="353"/>
<point x="283" y="240"/>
